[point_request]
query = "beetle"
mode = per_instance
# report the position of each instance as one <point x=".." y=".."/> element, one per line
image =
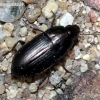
<point x="44" y="50"/>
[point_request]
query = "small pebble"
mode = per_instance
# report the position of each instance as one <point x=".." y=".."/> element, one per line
<point x="41" y="19"/>
<point x="3" y="45"/>
<point x="87" y="45"/>
<point x="19" y="94"/>
<point x="31" y="5"/>
<point x="98" y="19"/>
<point x="44" y="27"/>
<point x="7" y="79"/>
<point x="5" y="62"/>
<point x="22" y="22"/>
<point x="19" y="84"/>
<point x="1" y="78"/>
<point x="49" y="87"/>
<point x="26" y="93"/>
<point x="23" y="31"/>
<point x="9" y="27"/>
<point x="32" y="14"/>
<point x="59" y="91"/>
<point x="33" y="87"/>
<point x="84" y="12"/>
<point x="98" y="24"/>
<point x="63" y="86"/>
<point x="32" y="97"/>
<point x="93" y="16"/>
<point x="98" y="29"/>
<point x="2" y="34"/>
<point x="11" y="92"/>
<point x="49" y="95"/>
<point x="91" y="39"/>
<point x="76" y="51"/>
<point x="18" y="46"/>
<point x="87" y="30"/>
<point x="4" y="68"/>
<point x="10" y="41"/>
<point x="2" y="88"/>
<point x="8" y="56"/>
<point x="8" y="33"/>
<point x="98" y="47"/>
<point x="84" y="68"/>
<point x="93" y="50"/>
<point x="95" y="40"/>
<point x="69" y="80"/>
<point x="88" y="25"/>
<point x="25" y="85"/>
<point x="41" y="93"/>
<point x="16" y="31"/>
<point x="50" y="9"/>
<point x="97" y="66"/>
<point x="11" y="10"/>
<point x="87" y="57"/>
<point x="28" y="38"/>
<point x="65" y="77"/>
<point x="93" y="3"/>
<point x="55" y="78"/>
<point x="61" y="69"/>
<point x="68" y="67"/>
<point x="63" y="4"/>
<point x="66" y="19"/>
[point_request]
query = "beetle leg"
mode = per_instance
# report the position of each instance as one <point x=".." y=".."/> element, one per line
<point x="13" y="48"/>
<point x="76" y="41"/>
<point x="47" y="74"/>
<point x="37" y="29"/>
<point x="63" y="60"/>
<point x="34" y="29"/>
<point x="63" y="65"/>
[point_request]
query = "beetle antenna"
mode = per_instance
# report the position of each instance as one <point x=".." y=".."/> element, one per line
<point x="79" y="13"/>
<point x="89" y="34"/>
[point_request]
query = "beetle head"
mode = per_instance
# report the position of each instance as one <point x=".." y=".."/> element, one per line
<point x="72" y="31"/>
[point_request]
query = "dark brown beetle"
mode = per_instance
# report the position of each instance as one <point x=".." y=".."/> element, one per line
<point x="43" y="51"/>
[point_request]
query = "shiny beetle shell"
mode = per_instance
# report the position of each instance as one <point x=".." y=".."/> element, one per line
<point x="43" y="51"/>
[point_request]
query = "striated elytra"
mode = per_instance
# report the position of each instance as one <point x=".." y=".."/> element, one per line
<point x="43" y="51"/>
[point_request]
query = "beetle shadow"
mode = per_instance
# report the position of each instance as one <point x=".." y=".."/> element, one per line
<point x="40" y="78"/>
